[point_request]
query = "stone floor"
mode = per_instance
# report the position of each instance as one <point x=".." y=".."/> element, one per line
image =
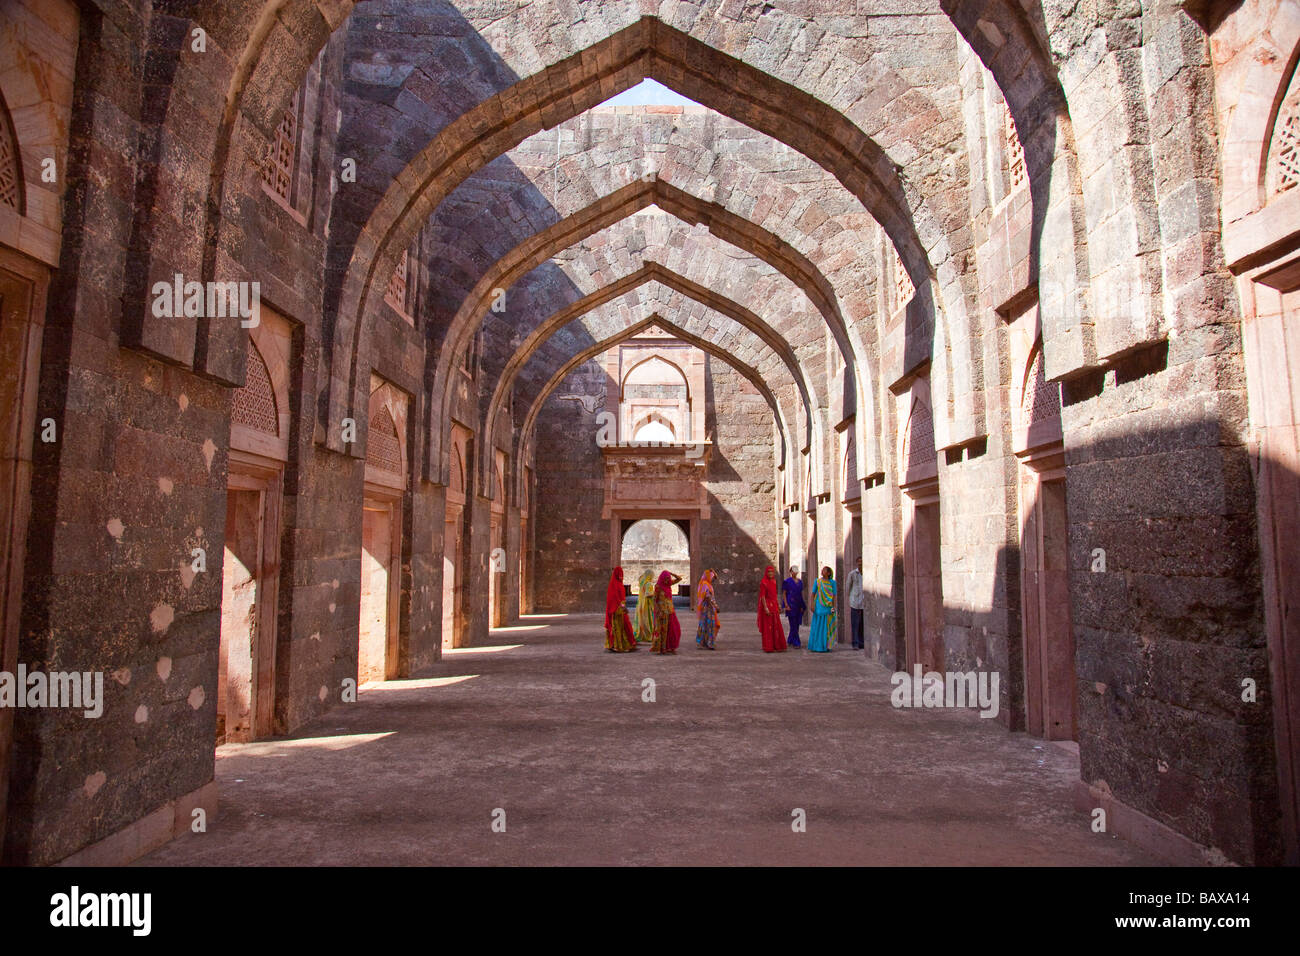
<point x="550" y="728"/>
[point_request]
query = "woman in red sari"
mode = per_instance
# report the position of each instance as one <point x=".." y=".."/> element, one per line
<point x="619" y="636"/>
<point x="668" y="630"/>
<point x="769" y="613"/>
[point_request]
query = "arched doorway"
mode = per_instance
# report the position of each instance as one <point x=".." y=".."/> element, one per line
<point x="923" y="611"/>
<point x="655" y="545"/>
<point x="259" y="450"/>
<point x="453" y="550"/>
<point x="378" y="656"/>
<point x="38" y="82"/>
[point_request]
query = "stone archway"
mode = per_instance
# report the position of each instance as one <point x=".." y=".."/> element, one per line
<point x="599" y="215"/>
<point x="649" y="543"/>
<point x="654" y="273"/>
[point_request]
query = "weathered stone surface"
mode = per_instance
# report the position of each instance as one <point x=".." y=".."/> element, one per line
<point x="1025" y="224"/>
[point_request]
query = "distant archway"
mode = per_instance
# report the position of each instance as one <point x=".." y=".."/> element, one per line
<point x="654" y="428"/>
<point x="655" y="545"/>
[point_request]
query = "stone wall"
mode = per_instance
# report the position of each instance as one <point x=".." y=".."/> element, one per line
<point x="938" y="174"/>
<point x="740" y="538"/>
<point x="571" y="565"/>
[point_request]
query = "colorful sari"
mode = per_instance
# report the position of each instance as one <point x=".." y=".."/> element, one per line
<point x="667" y="629"/>
<point x="822" y="636"/>
<point x="645" y="603"/>
<point x="707" y="606"/>
<point x="618" y="627"/>
<point x="769" y="613"/>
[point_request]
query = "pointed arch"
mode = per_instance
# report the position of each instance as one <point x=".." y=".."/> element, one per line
<point x="655" y="272"/>
<point x="565" y="233"/>
<point x="647" y="47"/>
<point x="524" y="437"/>
<point x="656" y="357"/>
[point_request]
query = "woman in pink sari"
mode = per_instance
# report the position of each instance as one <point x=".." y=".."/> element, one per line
<point x="668" y="630"/>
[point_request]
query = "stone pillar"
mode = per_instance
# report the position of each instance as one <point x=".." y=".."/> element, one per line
<point x="422" y="580"/>
<point x="512" y="588"/>
<point x="477" y="580"/>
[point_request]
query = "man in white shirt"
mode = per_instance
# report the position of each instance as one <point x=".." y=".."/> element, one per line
<point x="857" y="599"/>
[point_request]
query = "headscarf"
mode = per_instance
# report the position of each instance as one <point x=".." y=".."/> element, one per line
<point x="665" y="584"/>
<point x="767" y="593"/>
<point x="645" y="603"/>
<point x="705" y="587"/>
<point x="614" y="597"/>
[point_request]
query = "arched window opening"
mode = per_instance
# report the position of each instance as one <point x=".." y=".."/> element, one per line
<point x="654" y="545"/>
<point x="11" y="167"/>
<point x="656" y="431"/>
<point x="1284" y="150"/>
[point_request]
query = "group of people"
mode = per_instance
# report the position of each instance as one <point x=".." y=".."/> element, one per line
<point x="657" y="624"/>
<point x="656" y="620"/>
<point x="822" y="634"/>
<point x="791" y="602"/>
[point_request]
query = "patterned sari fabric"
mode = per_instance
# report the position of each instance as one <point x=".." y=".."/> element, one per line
<point x="707" y="606"/>
<point x="824" y="624"/>
<point x="667" y="629"/>
<point x="645" y="622"/>
<point x="618" y="627"/>
<point x="769" y="613"/>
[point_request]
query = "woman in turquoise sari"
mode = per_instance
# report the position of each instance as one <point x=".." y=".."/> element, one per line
<point x="822" y="637"/>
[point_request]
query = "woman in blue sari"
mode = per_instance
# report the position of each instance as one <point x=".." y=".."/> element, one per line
<point x="822" y="635"/>
<point x="793" y="604"/>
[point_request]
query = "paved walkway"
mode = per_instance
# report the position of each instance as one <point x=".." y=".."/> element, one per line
<point x="552" y="729"/>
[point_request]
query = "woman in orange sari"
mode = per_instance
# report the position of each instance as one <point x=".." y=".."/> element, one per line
<point x="769" y="613"/>
<point x="619" y="636"/>
<point x="668" y="630"/>
<point x="707" y="606"/>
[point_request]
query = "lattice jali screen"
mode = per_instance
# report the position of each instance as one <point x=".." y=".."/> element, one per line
<point x="1042" y="399"/>
<point x="1015" y="152"/>
<point x="382" y="447"/>
<point x="1284" y="152"/>
<point x="920" y="437"/>
<point x="396" y="295"/>
<point x="277" y="169"/>
<point x="903" y="288"/>
<point x="255" y="403"/>
<point x="11" y="180"/>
